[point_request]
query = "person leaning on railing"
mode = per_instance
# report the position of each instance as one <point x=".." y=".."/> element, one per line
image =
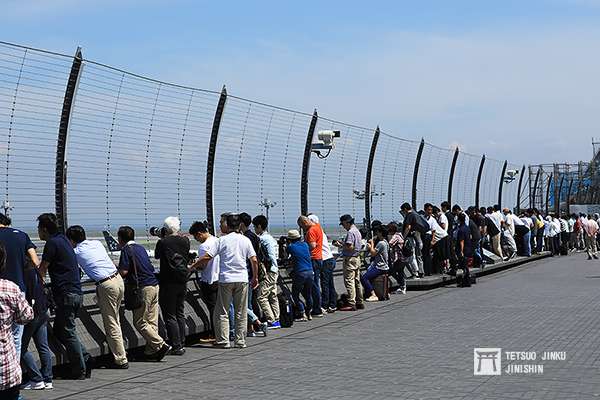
<point x="110" y="290"/>
<point x="138" y="271"/>
<point x="59" y="260"/>
<point x="173" y="252"/>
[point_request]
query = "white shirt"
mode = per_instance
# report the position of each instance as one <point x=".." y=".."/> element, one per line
<point x="210" y="274"/>
<point x="94" y="260"/>
<point x="444" y="220"/>
<point x="497" y="219"/>
<point x="327" y="254"/>
<point x="234" y="250"/>
<point x="437" y="231"/>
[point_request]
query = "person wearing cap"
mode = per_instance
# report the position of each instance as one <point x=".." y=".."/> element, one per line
<point x="302" y="278"/>
<point x="350" y="252"/>
<point x="110" y="289"/>
<point x="328" y="293"/>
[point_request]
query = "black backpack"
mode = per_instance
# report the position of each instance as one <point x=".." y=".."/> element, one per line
<point x="409" y="247"/>
<point x="178" y="264"/>
<point x="286" y="305"/>
<point x="492" y="229"/>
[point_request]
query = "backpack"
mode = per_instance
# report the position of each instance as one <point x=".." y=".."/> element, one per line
<point x="492" y="228"/>
<point x="409" y="247"/>
<point x="286" y="305"/>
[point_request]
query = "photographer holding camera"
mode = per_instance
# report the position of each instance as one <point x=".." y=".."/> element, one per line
<point x="173" y="252"/>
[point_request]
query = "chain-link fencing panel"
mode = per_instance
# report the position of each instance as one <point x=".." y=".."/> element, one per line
<point x="32" y="90"/>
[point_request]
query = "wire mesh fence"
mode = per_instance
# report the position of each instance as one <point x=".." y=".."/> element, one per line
<point x="137" y="151"/>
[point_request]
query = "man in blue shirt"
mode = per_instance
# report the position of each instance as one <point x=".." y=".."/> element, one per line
<point x="302" y="279"/>
<point x="18" y="246"/>
<point x="95" y="261"/>
<point x="136" y="268"/>
<point x="59" y="260"/>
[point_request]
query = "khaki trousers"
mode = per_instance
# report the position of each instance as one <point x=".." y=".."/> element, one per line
<point x="238" y="291"/>
<point x="110" y="296"/>
<point x="590" y="244"/>
<point x="145" y="319"/>
<point x="267" y="294"/>
<point x="352" y="280"/>
<point x="496" y="247"/>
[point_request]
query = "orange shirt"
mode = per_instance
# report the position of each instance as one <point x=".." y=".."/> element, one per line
<point x="315" y="235"/>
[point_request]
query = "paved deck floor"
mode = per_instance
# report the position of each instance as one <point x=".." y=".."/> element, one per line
<point x="415" y="346"/>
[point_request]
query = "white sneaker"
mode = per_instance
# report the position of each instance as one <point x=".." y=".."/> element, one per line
<point x="416" y="277"/>
<point x="48" y="385"/>
<point x="400" y="291"/>
<point x="33" y="386"/>
<point x="372" y="298"/>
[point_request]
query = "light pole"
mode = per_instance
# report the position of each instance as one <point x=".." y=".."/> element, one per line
<point x="267" y="205"/>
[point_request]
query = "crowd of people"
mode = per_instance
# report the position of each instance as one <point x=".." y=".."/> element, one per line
<point x="239" y="275"/>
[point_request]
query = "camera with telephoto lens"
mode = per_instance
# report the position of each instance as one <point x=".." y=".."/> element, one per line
<point x="158" y="232"/>
<point x="282" y="243"/>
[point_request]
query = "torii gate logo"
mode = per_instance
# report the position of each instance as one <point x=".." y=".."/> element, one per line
<point x="487" y="361"/>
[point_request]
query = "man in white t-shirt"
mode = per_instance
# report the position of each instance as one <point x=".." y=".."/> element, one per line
<point x="208" y="279"/>
<point x="233" y="249"/>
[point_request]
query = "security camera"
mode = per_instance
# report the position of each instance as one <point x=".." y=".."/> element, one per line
<point x="327" y="136"/>
<point x="512" y="173"/>
<point x="325" y="142"/>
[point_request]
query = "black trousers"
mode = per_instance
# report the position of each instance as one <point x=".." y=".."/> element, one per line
<point x="171" y="297"/>
<point x="427" y="260"/>
<point x="11" y="393"/>
<point x="208" y="292"/>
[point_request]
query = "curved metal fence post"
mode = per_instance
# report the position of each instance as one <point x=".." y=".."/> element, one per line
<point x="569" y="197"/>
<point x="416" y="174"/>
<point x="306" y="164"/>
<point x="60" y="177"/>
<point x="559" y="195"/>
<point x="548" y="192"/>
<point x="501" y="184"/>
<point x="478" y="185"/>
<point x="451" y="178"/>
<point x="535" y="185"/>
<point x="210" y="162"/>
<point x="368" y="179"/>
<point x="518" y="205"/>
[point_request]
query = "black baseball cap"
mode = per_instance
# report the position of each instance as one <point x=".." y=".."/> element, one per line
<point x="346" y="218"/>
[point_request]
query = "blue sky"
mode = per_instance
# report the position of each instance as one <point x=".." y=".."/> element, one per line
<point x="513" y="79"/>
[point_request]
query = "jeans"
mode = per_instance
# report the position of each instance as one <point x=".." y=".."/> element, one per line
<point x="372" y="273"/>
<point x="316" y="289"/>
<point x="38" y="331"/>
<point x="539" y="240"/>
<point x="208" y="292"/>
<point x="302" y="282"/>
<point x="527" y="244"/>
<point x="171" y="298"/>
<point x="67" y="308"/>
<point x="17" y="331"/>
<point x="328" y="293"/>
<point x="397" y="271"/>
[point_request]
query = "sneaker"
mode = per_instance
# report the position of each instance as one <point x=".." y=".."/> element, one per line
<point x="320" y="315"/>
<point x="114" y="365"/>
<point x="264" y="327"/>
<point x="251" y="334"/>
<point x="589" y="258"/>
<point x="331" y="310"/>
<point x="177" y="352"/>
<point x="323" y="310"/>
<point x="208" y="339"/>
<point x="300" y="319"/>
<point x="161" y="353"/>
<point x="48" y="386"/>
<point x="33" y="386"/>
<point x="348" y="308"/>
<point x="274" y="325"/>
<point x="309" y="316"/>
<point x="222" y="345"/>
<point x="240" y="345"/>
<point x="372" y="298"/>
<point x="416" y="277"/>
<point x="400" y="291"/>
<point x="360" y="306"/>
<point x="595" y="256"/>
